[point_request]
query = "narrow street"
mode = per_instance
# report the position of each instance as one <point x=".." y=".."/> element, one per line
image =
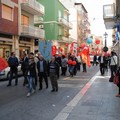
<point x="43" y="105"/>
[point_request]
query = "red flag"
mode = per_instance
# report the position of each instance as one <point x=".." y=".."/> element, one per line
<point x="85" y="56"/>
<point x="3" y="64"/>
<point x="54" y="50"/>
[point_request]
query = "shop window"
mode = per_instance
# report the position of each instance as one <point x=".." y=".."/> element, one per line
<point x="7" y="12"/>
<point x="66" y="33"/>
<point x="36" y="42"/>
<point x="5" y="36"/>
<point x="24" y="20"/>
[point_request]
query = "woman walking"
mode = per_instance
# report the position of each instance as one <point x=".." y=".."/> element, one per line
<point x="31" y="76"/>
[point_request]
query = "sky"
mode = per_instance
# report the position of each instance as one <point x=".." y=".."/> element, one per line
<point x="95" y="14"/>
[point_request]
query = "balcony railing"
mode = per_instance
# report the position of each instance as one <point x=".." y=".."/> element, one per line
<point x="63" y="39"/>
<point x="32" y="31"/>
<point x="33" y="7"/>
<point x="38" y="19"/>
<point x="65" y="23"/>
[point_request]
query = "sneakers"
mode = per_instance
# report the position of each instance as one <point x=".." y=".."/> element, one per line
<point x="52" y="90"/>
<point x="28" y="95"/>
<point x="33" y="91"/>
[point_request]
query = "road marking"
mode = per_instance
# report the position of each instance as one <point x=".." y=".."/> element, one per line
<point x="66" y="78"/>
<point x="70" y="85"/>
<point x="75" y="78"/>
<point x="63" y="115"/>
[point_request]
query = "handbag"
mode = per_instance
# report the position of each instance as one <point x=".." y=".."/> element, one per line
<point x="116" y="79"/>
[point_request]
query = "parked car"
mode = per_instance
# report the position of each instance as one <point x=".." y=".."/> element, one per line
<point x="5" y="74"/>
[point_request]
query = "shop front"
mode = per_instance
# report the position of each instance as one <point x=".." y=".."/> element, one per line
<point x="6" y="45"/>
<point x="25" y="45"/>
<point x="5" y="51"/>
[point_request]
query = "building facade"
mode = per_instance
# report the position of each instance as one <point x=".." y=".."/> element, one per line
<point x="79" y="19"/>
<point x="29" y="11"/>
<point x="56" y="24"/>
<point x="83" y="23"/>
<point x="17" y="30"/>
<point x="111" y="16"/>
<point x="8" y="27"/>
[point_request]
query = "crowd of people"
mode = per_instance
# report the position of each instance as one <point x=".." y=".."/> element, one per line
<point x="35" y="68"/>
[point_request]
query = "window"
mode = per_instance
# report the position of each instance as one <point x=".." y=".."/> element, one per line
<point x="59" y="14"/>
<point x="7" y="12"/>
<point x="24" y="20"/>
<point x="60" y="31"/>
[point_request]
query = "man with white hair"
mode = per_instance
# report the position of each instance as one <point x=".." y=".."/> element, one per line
<point x="42" y="71"/>
<point x="54" y="74"/>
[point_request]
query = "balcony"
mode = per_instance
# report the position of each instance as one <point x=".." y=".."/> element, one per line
<point x="63" y="22"/>
<point x="38" y="20"/>
<point x="63" y="39"/>
<point x="31" y="31"/>
<point x="33" y="7"/>
<point x="109" y="14"/>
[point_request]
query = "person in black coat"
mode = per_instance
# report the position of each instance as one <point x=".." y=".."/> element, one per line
<point x="13" y="64"/>
<point x="102" y="61"/>
<point x="95" y="60"/>
<point x="42" y="71"/>
<point x="24" y="67"/>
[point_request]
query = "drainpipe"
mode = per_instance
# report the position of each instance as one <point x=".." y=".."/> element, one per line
<point x="119" y="53"/>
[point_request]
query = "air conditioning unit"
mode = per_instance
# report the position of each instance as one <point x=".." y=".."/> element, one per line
<point x="41" y="26"/>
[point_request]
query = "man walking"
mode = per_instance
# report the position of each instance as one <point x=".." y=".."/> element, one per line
<point x="101" y="60"/>
<point x="42" y="71"/>
<point x="54" y="74"/>
<point x="13" y="64"/>
<point x="24" y="67"/>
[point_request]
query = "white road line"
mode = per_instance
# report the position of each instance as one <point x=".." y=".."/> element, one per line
<point x="63" y="115"/>
<point x="66" y="78"/>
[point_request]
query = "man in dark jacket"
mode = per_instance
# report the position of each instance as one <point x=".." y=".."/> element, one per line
<point x="13" y="64"/>
<point x="102" y="61"/>
<point x="24" y="67"/>
<point x="54" y="74"/>
<point x="95" y="60"/>
<point x="42" y="71"/>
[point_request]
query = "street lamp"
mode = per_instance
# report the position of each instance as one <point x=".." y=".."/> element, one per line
<point x="105" y="49"/>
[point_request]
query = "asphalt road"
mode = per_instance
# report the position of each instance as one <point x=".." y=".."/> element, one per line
<point x="43" y="105"/>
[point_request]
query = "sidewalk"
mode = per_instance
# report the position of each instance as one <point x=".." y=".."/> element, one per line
<point x="96" y="101"/>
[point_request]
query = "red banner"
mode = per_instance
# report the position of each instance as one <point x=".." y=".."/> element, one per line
<point x="3" y="64"/>
<point x="85" y="56"/>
